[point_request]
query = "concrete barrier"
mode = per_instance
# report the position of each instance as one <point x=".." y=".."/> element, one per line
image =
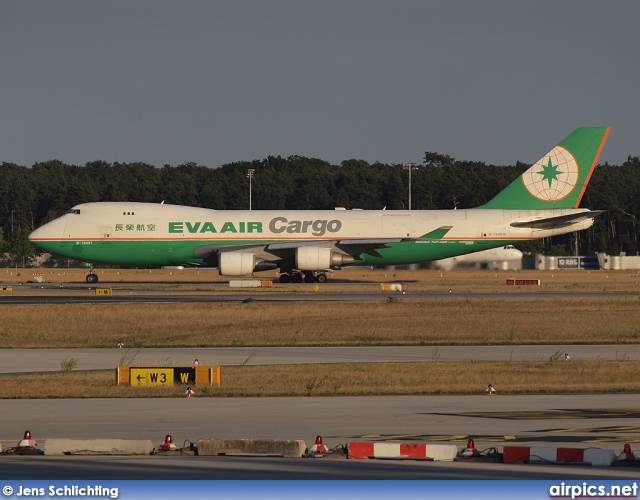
<point x="593" y="456"/>
<point x="390" y="287"/>
<point x="264" y="447"/>
<point x="98" y="446"/>
<point x="250" y="283"/>
<point x="436" y="452"/>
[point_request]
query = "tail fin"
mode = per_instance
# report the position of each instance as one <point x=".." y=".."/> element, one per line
<point x="559" y="178"/>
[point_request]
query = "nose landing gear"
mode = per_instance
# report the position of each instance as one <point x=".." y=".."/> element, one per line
<point x="92" y="277"/>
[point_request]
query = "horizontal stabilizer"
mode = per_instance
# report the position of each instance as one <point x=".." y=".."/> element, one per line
<point x="557" y="221"/>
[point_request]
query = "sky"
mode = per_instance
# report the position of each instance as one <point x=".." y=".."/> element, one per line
<point x="215" y="82"/>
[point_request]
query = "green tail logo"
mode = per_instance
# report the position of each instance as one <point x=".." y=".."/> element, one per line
<point x="559" y="178"/>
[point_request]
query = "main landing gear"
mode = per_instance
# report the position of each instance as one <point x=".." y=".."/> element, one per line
<point x="308" y="277"/>
<point x="92" y="277"/>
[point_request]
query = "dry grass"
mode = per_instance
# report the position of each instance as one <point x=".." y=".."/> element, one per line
<point x="521" y="377"/>
<point x="417" y="322"/>
<point x="428" y="322"/>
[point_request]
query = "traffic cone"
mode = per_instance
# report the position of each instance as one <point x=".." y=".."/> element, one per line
<point x="627" y="454"/>
<point x="470" y="450"/>
<point x="27" y="441"/>
<point x="168" y="444"/>
<point x="318" y="450"/>
<point x="319" y="447"/>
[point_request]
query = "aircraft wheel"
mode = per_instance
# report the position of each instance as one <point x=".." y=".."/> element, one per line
<point x="92" y="278"/>
<point x="285" y="278"/>
<point x="296" y="278"/>
<point x="321" y="278"/>
<point x="309" y="278"/>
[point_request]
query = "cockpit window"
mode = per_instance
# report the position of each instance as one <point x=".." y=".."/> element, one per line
<point x="74" y="211"/>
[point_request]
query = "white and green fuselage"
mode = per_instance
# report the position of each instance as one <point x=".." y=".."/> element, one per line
<point x="541" y="203"/>
<point x="145" y="234"/>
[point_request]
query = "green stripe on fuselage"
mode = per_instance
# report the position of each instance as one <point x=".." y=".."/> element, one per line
<point x="160" y="252"/>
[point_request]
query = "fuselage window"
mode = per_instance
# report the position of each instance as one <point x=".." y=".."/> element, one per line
<point x="74" y="211"/>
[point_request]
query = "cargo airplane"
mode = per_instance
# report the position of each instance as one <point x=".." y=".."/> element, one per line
<point x="304" y="245"/>
<point x="492" y="257"/>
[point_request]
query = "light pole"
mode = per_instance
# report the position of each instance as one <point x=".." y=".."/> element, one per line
<point x="250" y="172"/>
<point x="410" y="167"/>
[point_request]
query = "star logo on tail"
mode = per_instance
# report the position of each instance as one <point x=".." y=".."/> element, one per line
<point x="553" y="177"/>
<point x="550" y="172"/>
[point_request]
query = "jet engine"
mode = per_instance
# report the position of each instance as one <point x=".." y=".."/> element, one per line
<point x="236" y="263"/>
<point x="319" y="258"/>
<point x="242" y="263"/>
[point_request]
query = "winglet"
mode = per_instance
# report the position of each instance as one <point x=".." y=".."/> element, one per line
<point x="437" y="234"/>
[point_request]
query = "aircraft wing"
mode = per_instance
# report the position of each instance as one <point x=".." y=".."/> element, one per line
<point x="357" y="247"/>
<point x="373" y="243"/>
<point x="557" y="221"/>
<point x="353" y="247"/>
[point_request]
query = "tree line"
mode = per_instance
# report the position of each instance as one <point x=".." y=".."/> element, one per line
<point x="33" y="196"/>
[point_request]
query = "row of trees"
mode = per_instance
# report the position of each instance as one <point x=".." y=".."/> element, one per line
<point x="32" y="196"/>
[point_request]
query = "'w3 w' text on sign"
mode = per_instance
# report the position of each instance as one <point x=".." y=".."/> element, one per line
<point x="162" y="376"/>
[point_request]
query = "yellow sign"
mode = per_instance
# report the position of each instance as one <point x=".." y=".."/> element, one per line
<point x="7" y="289"/>
<point x="177" y="375"/>
<point x="104" y="291"/>
<point x="151" y="376"/>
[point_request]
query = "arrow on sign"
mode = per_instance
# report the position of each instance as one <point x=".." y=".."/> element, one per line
<point x="141" y="377"/>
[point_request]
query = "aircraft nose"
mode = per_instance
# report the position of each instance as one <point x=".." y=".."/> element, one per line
<point x="34" y="235"/>
<point x="38" y="234"/>
<point x="53" y="230"/>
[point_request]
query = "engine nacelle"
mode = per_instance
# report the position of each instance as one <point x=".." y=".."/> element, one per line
<point x="236" y="263"/>
<point x="319" y="258"/>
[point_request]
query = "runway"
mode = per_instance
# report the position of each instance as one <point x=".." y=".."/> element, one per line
<point x="48" y="360"/>
<point x="123" y="297"/>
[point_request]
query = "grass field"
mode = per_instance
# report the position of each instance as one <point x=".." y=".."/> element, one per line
<point x="428" y="322"/>
<point x="362" y="379"/>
